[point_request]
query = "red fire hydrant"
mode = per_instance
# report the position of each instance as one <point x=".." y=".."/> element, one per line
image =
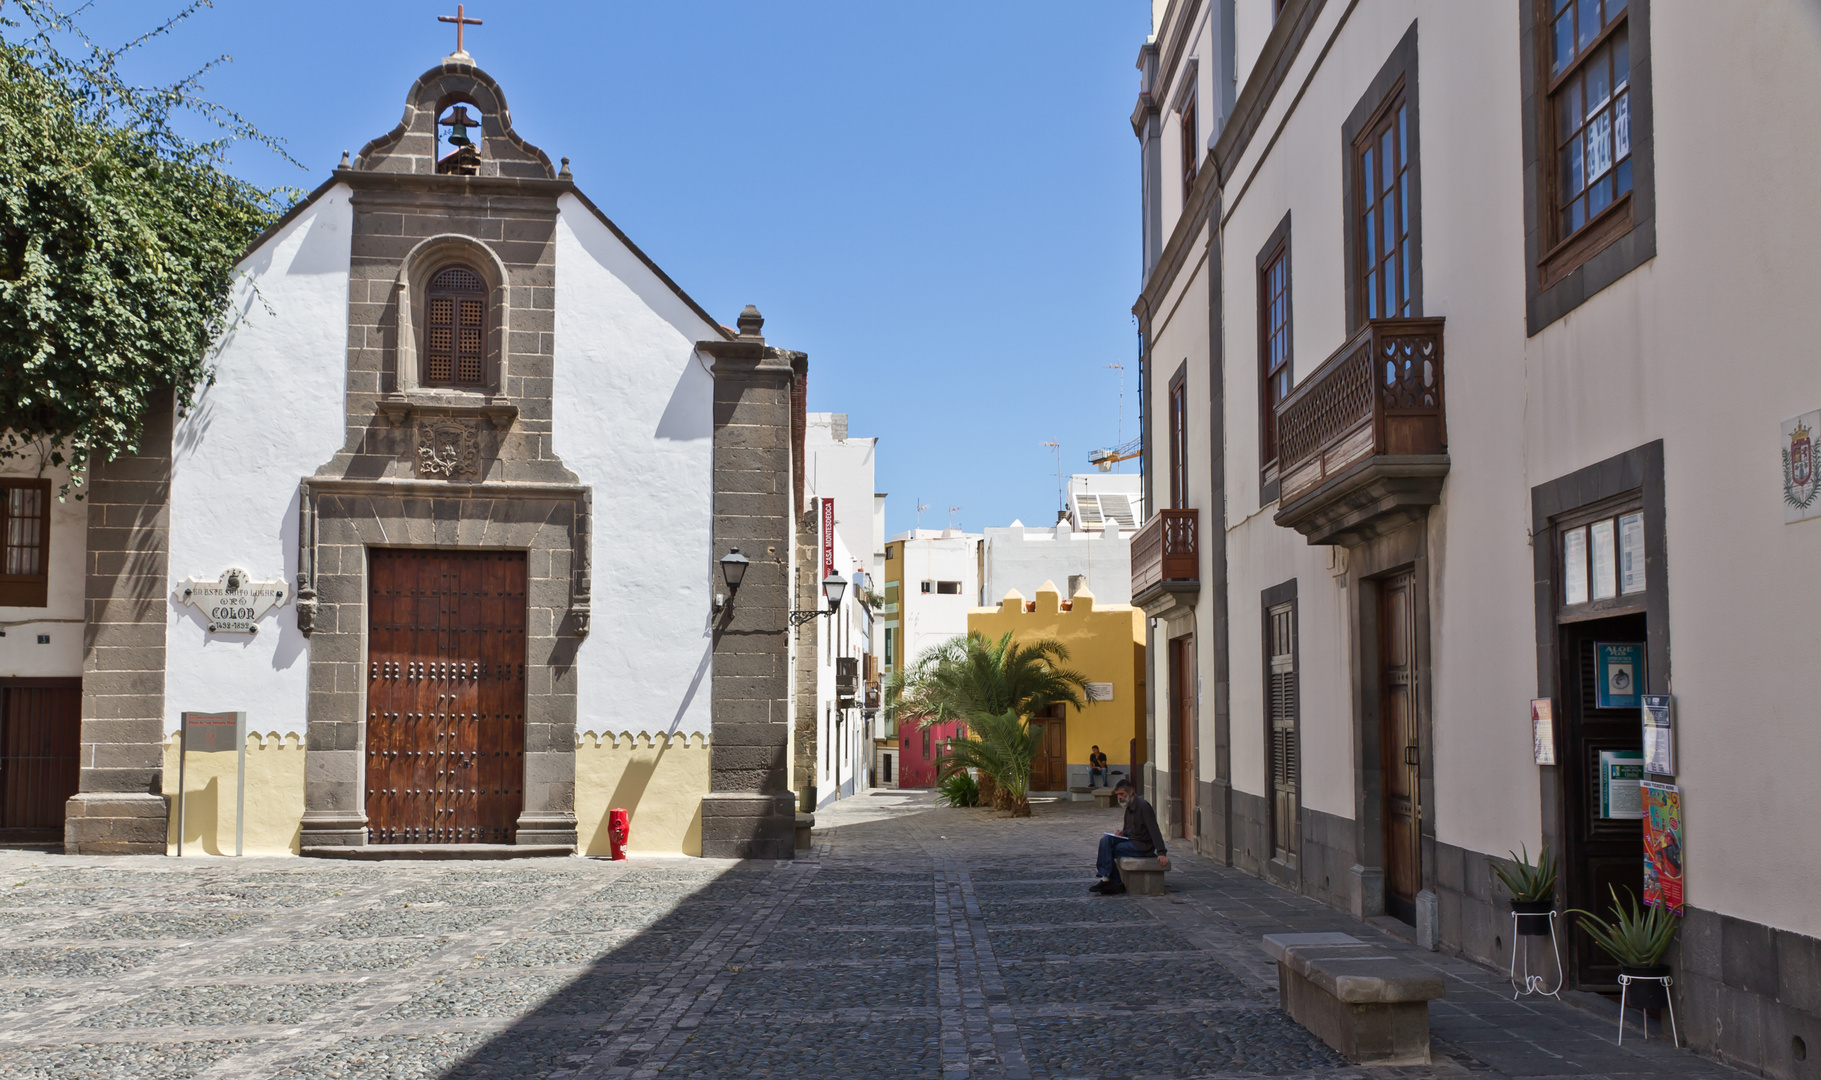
<point x="619" y="827"/>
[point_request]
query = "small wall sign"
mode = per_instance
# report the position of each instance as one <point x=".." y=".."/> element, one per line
<point x="1659" y="734"/>
<point x="1801" y="478"/>
<point x="234" y="602"/>
<point x="1621" y="774"/>
<point x="1542" y="729"/>
<point x="1619" y="667"/>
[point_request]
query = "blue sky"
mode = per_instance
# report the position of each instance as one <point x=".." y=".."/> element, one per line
<point x="937" y="201"/>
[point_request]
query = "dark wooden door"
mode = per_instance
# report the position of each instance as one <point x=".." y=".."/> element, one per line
<point x="1602" y="852"/>
<point x="40" y="740"/>
<point x="445" y="696"/>
<point x="1398" y="752"/>
<point x="1281" y="662"/>
<point x="1050" y="768"/>
<point x="1182" y="735"/>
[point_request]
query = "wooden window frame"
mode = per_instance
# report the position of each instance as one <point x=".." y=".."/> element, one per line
<point x="26" y="590"/>
<point x="1179" y="439"/>
<point x="1191" y="141"/>
<point x="1275" y="252"/>
<point x="1396" y="81"/>
<point x="1562" y="272"/>
<point x="458" y="358"/>
<point x="1382" y="262"/>
<point x="1273" y="601"/>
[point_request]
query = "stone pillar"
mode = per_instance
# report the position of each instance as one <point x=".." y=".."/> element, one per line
<point x="749" y="812"/>
<point x="120" y="807"/>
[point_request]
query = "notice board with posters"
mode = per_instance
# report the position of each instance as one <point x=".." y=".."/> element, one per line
<point x="1662" y="846"/>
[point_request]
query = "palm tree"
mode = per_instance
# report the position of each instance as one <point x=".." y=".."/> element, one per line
<point x="969" y="676"/>
<point x="994" y="687"/>
<point x="1000" y="746"/>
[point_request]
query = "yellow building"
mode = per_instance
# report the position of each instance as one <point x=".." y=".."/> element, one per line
<point x="1106" y="644"/>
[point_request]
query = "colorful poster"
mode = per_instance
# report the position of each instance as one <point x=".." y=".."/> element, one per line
<point x="1659" y="735"/>
<point x="1619" y="669"/>
<point x="1663" y="846"/>
<point x="1621" y="773"/>
<point x="1542" y="729"/>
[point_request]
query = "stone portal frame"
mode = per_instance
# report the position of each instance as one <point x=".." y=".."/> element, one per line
<point x="405" y="366"/>
<point x="1406" y="548"/>
<point x="339" y="521"/>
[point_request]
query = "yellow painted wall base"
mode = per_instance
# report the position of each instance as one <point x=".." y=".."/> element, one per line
<point x="661" y="782"/>
<point x="275" y="797"/>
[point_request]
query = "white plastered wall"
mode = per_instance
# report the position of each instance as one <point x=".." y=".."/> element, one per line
<point x="60" y="620"/>
<point x="634" y="418"/>
<point x="273" y="415"/>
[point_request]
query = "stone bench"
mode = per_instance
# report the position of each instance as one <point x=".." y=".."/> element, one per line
<point x="1103" y="799"/>
<point x="1142" y="877"/>
<point x="805" y="822"/>
<point x="1364" y="1000"/>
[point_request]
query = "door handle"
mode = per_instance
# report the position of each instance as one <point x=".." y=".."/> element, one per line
<point x="1411" y="757"/>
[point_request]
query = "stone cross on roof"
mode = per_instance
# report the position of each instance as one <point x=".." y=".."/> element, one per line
<point x="462" y="22"/>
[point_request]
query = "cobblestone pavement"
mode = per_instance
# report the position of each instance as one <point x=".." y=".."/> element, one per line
<point x="913" y="942"/>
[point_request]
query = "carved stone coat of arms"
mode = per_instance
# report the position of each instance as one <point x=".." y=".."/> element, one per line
<point x="448" y="448"/>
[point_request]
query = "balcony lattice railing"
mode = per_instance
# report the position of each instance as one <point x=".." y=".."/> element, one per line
<point x="1379" y="395"/>
<point x="1165" y="550"/>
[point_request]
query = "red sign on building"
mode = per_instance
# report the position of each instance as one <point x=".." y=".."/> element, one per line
<point x="828" y="538"/>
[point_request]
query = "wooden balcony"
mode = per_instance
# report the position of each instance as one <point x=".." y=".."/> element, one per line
<point x="1166" y="560"/>
<point x="1362" y="443"/>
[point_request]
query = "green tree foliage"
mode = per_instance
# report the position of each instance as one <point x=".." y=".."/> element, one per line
<point x="993" y="687"/>
<point x="118" y="239"/>
<point x="1002" y="746"/>
<point x="965" y="677"/>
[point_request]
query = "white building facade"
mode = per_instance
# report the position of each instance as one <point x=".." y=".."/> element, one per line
<point x="1432" y="293"/>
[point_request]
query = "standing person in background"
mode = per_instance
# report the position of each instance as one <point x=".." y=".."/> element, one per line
<point x="1138" y="838"/>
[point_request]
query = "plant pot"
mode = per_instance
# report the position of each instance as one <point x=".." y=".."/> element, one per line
<point x="1648" y="994"/>
<point x="1532" y="917"/>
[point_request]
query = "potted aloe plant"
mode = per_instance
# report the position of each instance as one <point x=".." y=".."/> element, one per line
<point x="1532" y="888"/>
<point x="1637" y="937"/>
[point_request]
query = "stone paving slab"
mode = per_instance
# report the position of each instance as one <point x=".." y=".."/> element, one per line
<point x="910" y="942"/>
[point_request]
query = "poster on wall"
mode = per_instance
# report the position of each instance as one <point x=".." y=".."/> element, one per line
<point x="1659" y="735"/>
<point x="1619" y="674"/>
<point x="1662" y="846"/>
<point x="1621" y="773"/>
<point x="1801" y="478"/>
<point x="1542" y="729"/>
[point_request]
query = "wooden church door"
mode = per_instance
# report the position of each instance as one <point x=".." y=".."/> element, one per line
<point x="1399" y="752"/>
<point x="445" y="696"/>
<point x="1050" y="768"/>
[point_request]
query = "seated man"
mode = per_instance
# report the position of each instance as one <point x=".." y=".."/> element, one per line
<point x="1097" y="767"/>
<point x="1138" y="838"/>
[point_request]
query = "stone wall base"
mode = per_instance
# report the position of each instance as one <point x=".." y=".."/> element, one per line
<point x="332" y="828"/>
<point x="749" y="825"/>
<point x="546" y="828"/>
<point x="115" y="823"/>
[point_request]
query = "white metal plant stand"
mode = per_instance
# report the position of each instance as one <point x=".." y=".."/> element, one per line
<point x="1533" y="984"/>
<point x="1625" y="982"/>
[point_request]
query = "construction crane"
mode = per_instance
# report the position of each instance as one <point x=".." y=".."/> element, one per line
<point x="1105" y="459"/>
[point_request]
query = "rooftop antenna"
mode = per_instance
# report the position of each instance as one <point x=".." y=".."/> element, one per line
<point x="921" y="506"/>
<point x="1062" y="499"/>
<point x="1119" y="428"/>
<point x="951" y="516"/>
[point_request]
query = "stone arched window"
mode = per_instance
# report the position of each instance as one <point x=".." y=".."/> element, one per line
<point x="455" y="328"/>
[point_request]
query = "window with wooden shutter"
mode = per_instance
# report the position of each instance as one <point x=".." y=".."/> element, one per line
<point x="1281" y="703"/>
<point x="455" y="328"/>
<point x="25" y="535"/>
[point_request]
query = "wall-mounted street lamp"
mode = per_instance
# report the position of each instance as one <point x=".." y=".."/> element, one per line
<point x="733" y="571"/>
<point x="832" y="587"/>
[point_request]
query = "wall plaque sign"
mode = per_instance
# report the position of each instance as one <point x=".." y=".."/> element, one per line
<point x="234" y="602"/>
<point x="1801" y="478"/>
<point x="1542" y="729"/>
<point x="1659" y="734"/>
<point x="1619" y="669"/>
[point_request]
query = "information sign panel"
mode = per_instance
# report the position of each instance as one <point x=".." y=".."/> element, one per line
<point x="1619" y="669"/>
<point x="1542" y="729"/>
<point x="1621" y="771"/>
<point x="1659" y="735"/>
